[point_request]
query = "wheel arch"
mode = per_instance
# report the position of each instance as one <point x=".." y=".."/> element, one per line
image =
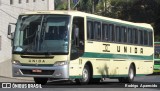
<point x="90" y="67"/>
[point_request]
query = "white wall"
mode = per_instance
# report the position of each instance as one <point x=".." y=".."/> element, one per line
<point x="9" y="13"/>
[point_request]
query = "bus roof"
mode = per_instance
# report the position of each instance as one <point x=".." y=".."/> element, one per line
<point x="79" y="13"/>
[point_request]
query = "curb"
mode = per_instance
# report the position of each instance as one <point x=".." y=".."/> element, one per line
<point x="18" y="78"/>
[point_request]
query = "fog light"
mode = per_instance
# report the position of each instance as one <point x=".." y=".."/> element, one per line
<point x="16" y="62"/>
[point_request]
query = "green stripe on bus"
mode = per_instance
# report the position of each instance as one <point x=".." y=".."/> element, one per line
<point x="74" y="77"/>
<point x="119" y="56"/>
<point x="106" y="76"/>
<point x="115" y="76"/>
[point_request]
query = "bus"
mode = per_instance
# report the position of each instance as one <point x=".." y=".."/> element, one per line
<point x="157" y="57"/>
<point x="82" y="47"/>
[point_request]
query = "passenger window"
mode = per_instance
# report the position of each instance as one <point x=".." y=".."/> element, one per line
<point x="150" y="39"/>
<point x="130" y="35"/>
<point x="105" y="32"/>
<point x="141" y="37"/>
<point x="146" y="37"/>
<point x="112" y="33"/>
<point x="124" y="34"/>
<point x="118" y="31"/>
<point x="90" y="32"/>
<point x="97" y="30"/>
<point x="135" y="36"/>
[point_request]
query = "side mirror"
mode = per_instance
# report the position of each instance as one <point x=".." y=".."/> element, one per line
<point x="9" y="29"/>
<point x="10" y="34"/>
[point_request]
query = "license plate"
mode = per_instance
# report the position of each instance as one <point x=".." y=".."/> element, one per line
<point x="36" y="70"/>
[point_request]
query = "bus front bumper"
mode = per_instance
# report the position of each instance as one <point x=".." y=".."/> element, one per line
<point x="59" y="72"/>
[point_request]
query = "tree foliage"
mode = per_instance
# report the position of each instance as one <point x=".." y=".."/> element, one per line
<point x="143" y="11"/>
<point x="60" y="4"/>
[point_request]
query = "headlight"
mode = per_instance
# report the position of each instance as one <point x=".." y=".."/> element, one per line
<point x="16" y="62"/>
<point x="60" y="63"/>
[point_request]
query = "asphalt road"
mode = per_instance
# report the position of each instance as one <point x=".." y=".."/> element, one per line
<point x="150" y="83"/>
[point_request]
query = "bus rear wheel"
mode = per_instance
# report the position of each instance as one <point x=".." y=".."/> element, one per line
<point x="130" y="77"/>
<point x="41" y="81"/>
<point x="85" y="76"/>
<point x="131" y="74"/>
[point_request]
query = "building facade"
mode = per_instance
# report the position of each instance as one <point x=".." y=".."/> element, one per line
<point x="9" y="11"/>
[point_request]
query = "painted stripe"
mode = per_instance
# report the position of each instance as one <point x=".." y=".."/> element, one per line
<point x="156" y="71"/>
<point x="115" y="76"/>
<point x="74" y="77"/>
<point x="106" y="76"/>
<point x="118" y="56"/>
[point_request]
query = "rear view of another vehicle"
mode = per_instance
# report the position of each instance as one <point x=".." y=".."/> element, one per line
<point x="157" y="58"/>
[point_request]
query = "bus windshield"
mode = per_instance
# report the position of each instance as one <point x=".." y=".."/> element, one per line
<point x="157" y="50"/>
<point x="41" y="34"/>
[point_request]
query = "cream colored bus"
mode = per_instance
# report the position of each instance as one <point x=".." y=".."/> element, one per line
<point x="78" y="46"/>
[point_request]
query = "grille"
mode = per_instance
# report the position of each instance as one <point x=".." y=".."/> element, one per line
<point x="44" y="72"/>
<point x="39" y="65"/>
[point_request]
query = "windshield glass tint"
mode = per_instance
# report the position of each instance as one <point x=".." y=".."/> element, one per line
<point x="42" y="33"/>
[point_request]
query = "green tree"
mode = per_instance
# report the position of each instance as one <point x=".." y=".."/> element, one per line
<point x="88" y="6"/>
<point x="143" y="11"/>
<point x="61" y="5"/>
<point x="85" y="6"/>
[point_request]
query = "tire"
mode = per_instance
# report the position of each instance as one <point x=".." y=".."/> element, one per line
<point x="85" y="76"/>
<point x="41" y="81"/>
<point x="130" y="78"/>
<point x="131" y="74"/>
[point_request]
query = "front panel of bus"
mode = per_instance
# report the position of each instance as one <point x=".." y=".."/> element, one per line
<point x="41" y="46"/>
<point x="157" y="57"/>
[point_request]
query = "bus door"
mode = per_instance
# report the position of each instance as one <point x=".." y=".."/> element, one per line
<point x="77" y="46"/>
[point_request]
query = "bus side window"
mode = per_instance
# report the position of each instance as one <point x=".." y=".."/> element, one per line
<point x="112" y="33"/>
<point x="135" y="36"/>
<point x="150" y="39"/>
<point x="118" y="31"/>
<point x="97" y="31"/>
<point x="122" y="34"/>
<point x="125" y="34"/>
<point x="141" y="37"/>
<point x="130" y="39"/>
<point x="90" y="32"/>
<point x="105" y="32"/>
<point x="146" y="38"/>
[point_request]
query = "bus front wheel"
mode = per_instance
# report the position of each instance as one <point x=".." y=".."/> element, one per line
<point x="85" y="76"/>
<point x="42" y="81"/>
